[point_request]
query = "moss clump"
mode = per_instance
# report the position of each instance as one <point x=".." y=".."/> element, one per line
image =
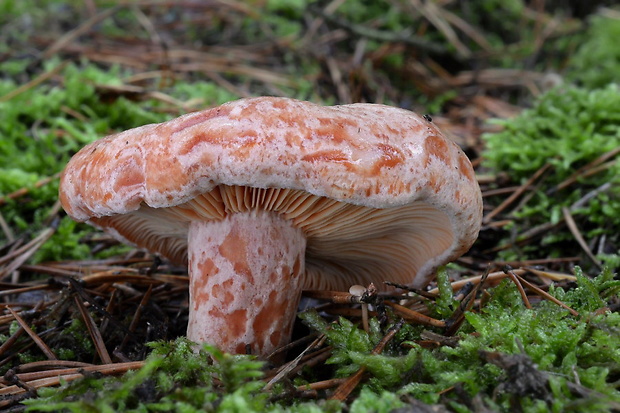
<point x="174" y="378"/>
<point x="596" y="62"/>
<point x="566" y="128"/>
<point x="509" y="357"/>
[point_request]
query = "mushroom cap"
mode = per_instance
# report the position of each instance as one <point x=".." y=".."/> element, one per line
<point x="379" y="192"/>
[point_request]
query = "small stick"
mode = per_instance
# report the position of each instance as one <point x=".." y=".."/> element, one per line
<point x="312" y="360"/>
<point x="336" y="297"/>
<point x="547" y="226"/>
<point x="290" y="366"/>
<point x="11" y="340"/>
<point x="383" y="36"/>
<point x="545" y="294"/>
<point x="458" y="316"/>
<point x="33" y="83"/>
<point x="35" y="366"/>
<point x="95" y="306"/>
<point x="321" y="385"/>
<point x="494" y="276"/>
<point x="415" y="316"/>
<point x="591" y="168"/>
<point x="136" y="318"/>
<point x="292" y="344"/>
<point x="24" y="289"/>
<point x="79" y="31"/>
<point x="515" y="280"/>
<point x="539" y="261"/>
<point x="572" y="226"/>
<point x="40" y="343"/>
<point x="515" y="194"/>
<point x="553" y="276"/>
<point x="55" y="377"/>
<point x="94" y="332"/>
<point x="343" y="391"/>
<point x="131" y="276"/>
<point x="8" y="232"/>
<point x="417" y="291"/>
<point x="23" y="191"/>
<point x="31" y="245"/>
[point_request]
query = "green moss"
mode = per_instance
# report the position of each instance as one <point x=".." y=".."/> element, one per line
<point x="351" y="345"/>
<point x="559" y="345"/>
<point x="557" y="350"/>
<point x="174" y="378"/>
<point x="596" y="62"/>
<point x="72" y="342"/>
<point x="369" y="401"/>
<point x="67" y="243"/>
<point x="445" y="303"/>
<point x="566" y="128"/>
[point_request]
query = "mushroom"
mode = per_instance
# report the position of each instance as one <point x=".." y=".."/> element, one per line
<point x="263" y="197"/>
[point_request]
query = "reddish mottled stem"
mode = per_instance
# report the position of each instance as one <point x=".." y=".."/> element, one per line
<point x="245" y="281"/>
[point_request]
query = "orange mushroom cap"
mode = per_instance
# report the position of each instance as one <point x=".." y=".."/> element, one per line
<point x="378" y="192"/>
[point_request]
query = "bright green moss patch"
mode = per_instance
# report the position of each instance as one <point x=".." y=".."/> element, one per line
<point x="540" y="359"/>
<point x="597" y="60"/>
<point x="173" y="378"/>
<point x="567" y="128"/>
<point x="574" y="358"/>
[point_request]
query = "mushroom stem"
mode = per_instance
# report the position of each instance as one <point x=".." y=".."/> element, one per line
<point x="245" y="281"/>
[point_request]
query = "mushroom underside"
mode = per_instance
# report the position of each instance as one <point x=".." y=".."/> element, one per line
<point x="346" y="244"/>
